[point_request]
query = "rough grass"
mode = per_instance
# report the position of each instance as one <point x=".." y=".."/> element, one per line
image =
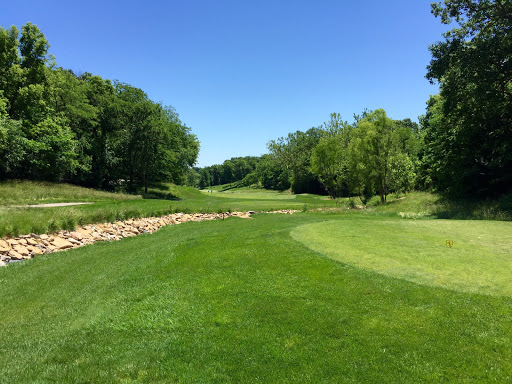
<point x="18" y="192"/>
<point x="111" y="207"/>
<point x="240" y="301"/>
<point x="166" y="198"/>
<point x="424" y="204"/>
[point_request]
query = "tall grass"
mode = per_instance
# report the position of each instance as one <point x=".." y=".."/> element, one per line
<point x="17" y="192"/>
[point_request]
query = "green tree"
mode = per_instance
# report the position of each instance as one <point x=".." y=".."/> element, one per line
<point x="33" y="48"/>
<point x="329" y="163"/>
<point x="50" y="151"/>
<point x="293" y="154"/>
<point x="469" y="141"/>
<point x="12" y="143"/>
<point x="271" y="174"/>
<point x="10" y="69"/>
<point x="373" y="144"/>
<point x="402" y="176"/>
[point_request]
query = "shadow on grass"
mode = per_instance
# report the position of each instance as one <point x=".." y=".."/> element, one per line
<point x="468" y="209"/>
<point x="160" y="191"/>
<point x="160" y="196"/>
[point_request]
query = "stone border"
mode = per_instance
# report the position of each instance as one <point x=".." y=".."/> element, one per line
<point x="27" y="247"/>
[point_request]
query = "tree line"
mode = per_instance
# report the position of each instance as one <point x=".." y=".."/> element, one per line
<point x="373" y="154"/>
<point x="462" y="146"/>
<point x="56" y="125"/>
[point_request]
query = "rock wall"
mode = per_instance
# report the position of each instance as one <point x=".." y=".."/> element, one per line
<point x="28" y="246"/>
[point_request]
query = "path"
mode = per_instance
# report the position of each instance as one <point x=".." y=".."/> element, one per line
<point x="50" y="205"/>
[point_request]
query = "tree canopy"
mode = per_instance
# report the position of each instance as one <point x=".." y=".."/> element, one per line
<point x="55" y="125"/>
<point x="469" y="126"/>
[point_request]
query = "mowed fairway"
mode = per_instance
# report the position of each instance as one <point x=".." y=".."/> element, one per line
<point x="242" y="301"/>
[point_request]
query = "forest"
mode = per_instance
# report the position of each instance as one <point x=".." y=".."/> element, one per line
<point x="59" y="126"/>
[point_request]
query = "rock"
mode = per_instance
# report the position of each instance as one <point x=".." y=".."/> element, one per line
<point x="35" y="250"/>
<point x="4" y="246"/>
<point x="22" y="250"/>
<point x="22" y="241"/>
<point x="3" y="263"/>
<point x="61" y="243"/>
<point x="12" y="242"/>
<point x="15" y="255"/>
<point x="31" y="242"/>
<point x="76" y="236"/>
<point x="43" y="237"/>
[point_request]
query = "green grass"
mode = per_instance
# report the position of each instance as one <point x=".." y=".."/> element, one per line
<point x="243" y="301"/>
<point x="15" y="220"/>
<point x="165" y="198"/>
<point x="256" y="194"/>
<point x="423" y="204"/>
<point x="415" y="250"/>
<point x="111" y="207"/>
<point x="18" y="192"/>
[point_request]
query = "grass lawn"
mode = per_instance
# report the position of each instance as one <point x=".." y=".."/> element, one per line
<point x="480" y="259"/>
<point x="244" y="301"/>
<point x="166" y="198"/>
<point x="117" y="206"/>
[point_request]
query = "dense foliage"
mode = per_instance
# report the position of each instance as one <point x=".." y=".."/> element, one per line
<point x="375" y="154"/>
<point x="57" y="126"/>
<point x="469" y="125"/>
<point x="230" y="171"/>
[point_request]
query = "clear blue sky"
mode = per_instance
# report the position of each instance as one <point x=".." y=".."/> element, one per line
<point x="241" y="73"/>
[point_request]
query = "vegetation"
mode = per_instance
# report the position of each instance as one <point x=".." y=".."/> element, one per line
<point x="242" y="301"/>
<point x="161" y="199"/>
<point x="415" y="250"/>
<point x="374" y="154"/>
<point x="467" y="127"/>
<point x="57" y="126"/>
<point x="234" y="170"/>
<point x="16" y="192"/>
<point x="337" y="292"/>
<point x="462" y="146"/>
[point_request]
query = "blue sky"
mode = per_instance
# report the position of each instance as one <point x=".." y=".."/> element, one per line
<point x="241" y="73"/>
